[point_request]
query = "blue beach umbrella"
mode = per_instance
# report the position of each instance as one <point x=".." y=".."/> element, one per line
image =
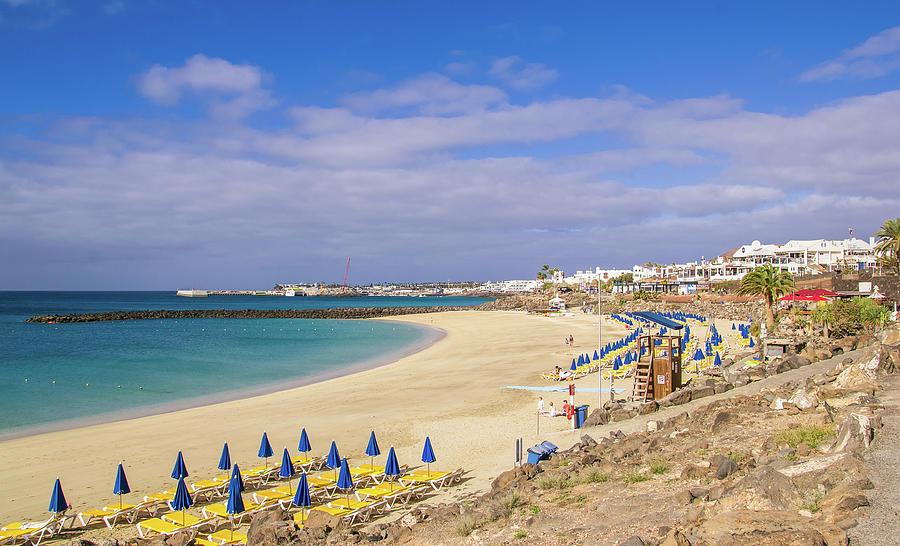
<point x="334" y="458"/>
<point x="235" y="503"/>
<point x="265" y="448"/>
<point x="304" y="446"/>
<point x="180" y="470"/>
<point x="596" y="355"/>
<point x="287" y="468"/>
<point x="58" y="499"/>
<point x="428" y="454"/>
<point x="345" y="480"/>
<point x="301" y="498"/>
<point x="391" y="466"/>
<point x="372" y="449"/>
<point x="182" y="500"/>
<point x="616" y="364"/>
<point x="718" y="361"/>
<point x="751" y="342"/>
<point x="574" y="367"/>
<point x="225" y="459"/>
<point x="733" y="327"/>
<point x="236" y="475"/>
<point x="121" y="487"/>
<point x="698" y="356"/>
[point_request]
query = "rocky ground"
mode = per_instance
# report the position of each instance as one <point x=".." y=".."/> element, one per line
<point x="782" y="460"/>
<point x="792" y="452"/>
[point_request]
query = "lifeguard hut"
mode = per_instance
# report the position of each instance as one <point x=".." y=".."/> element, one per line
<point x="558" y="304"/>
<point x="658" y="369"/>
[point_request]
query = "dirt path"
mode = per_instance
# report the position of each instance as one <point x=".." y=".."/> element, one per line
<point x="882" y="526"/>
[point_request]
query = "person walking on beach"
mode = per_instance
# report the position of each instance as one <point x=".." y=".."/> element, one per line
<point x="540" y="404"/>
<point x="571" y="340"/>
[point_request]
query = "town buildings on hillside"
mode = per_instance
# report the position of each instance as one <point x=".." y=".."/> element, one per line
<point x="815" y="256"/>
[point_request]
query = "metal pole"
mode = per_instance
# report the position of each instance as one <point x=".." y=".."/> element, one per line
<point x="600" y="348"/>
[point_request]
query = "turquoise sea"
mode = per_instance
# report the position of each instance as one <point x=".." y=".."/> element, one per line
<point x="55" y="376"/>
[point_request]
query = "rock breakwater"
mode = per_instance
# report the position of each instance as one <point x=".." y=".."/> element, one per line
<point x="333" y="313"/>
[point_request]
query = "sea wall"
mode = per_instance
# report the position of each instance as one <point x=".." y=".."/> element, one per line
<point x="335" y="313"/>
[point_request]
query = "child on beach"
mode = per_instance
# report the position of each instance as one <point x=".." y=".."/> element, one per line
<point x="551" y="411"/>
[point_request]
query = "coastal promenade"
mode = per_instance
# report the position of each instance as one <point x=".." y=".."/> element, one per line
<point x="450" y="391"/>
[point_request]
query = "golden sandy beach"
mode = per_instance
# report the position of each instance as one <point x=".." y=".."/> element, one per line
<point x="449" y="391"/>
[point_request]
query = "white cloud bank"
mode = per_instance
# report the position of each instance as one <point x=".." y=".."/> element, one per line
<point x="429" y="179"/>
<point x="877" y="56"/>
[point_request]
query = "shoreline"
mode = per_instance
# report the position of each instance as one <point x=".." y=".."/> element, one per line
<point x="431" y="336"/>
<point x="449" y="391"/>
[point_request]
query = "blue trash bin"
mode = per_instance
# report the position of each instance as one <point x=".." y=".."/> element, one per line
<point x="580" y="415"/>
<point x="536" y="453"/>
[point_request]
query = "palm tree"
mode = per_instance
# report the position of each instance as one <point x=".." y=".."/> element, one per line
<point x="888" y="245"/>
<point x="769" y="282"/>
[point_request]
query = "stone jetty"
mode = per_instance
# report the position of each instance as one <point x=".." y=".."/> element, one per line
<point x="333" y="313"/>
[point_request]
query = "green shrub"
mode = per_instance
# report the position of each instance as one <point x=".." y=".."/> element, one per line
<point x="520" y="534"/>
<point x="659" y="466"/>
<point x="512" y="500"/>
<point x="595" y="476"/>
<point x="556" y="482"/>
<point x="466" y="527"/>
<point x="810" y="435"/>
<point x="634" y="477"/>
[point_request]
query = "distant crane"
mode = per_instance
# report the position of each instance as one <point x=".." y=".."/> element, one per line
<point x="346" y="273"/>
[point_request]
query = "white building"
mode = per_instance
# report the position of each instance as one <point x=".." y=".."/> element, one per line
<point x="797" y="257"/>
<point x="511" y="286"/>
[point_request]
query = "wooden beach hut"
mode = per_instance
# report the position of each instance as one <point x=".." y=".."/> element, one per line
<point x="658" y="370"/>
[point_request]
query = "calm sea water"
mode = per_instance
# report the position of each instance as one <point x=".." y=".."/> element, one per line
<point x="58" y="375"/>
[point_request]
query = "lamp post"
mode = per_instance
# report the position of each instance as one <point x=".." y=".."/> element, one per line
<point x="600" y="348"/>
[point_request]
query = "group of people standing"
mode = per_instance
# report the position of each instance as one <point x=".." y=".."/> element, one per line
<point x="567" y="409"/>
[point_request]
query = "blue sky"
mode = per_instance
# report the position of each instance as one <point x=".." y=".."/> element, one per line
<point x="157" y="145"/>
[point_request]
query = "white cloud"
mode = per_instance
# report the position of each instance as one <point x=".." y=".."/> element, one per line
<point x="430" y="94"/>
<point x="460" y="68"/>
<point x="433" y="179"/>
<point x="232" y="90"/>
<point x="877" y="56"/>
<point x="521" y="75"/>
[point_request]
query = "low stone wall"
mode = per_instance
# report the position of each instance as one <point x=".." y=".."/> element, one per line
<point x="335" y="313"/>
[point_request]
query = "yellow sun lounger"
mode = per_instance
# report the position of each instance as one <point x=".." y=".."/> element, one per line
<point x="32" y="532"/>
<point x="357" y="510"/>
<point x="435" y="479"/>
<point x="88" y="516"/>
<point x="391" y="494"/>
<point x="225" y="536"/>
<point x="250" y="508"/>
<point x="274" y="494"/>
<point x="160" y="526"/>
<point x="165" y="496"/>
<point x="303" y="463"/>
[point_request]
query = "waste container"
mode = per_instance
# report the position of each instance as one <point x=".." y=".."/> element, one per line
<point x="536" y="453"/>
<point x="580" y="415"/>
<point x="540" y="451"/>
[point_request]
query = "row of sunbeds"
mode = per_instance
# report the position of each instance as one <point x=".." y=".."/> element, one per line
<point x="373" y="500"/>
<point x="374" y="495"/>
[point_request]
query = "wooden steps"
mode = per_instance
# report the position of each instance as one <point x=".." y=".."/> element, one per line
<point x="642" y="390"/>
